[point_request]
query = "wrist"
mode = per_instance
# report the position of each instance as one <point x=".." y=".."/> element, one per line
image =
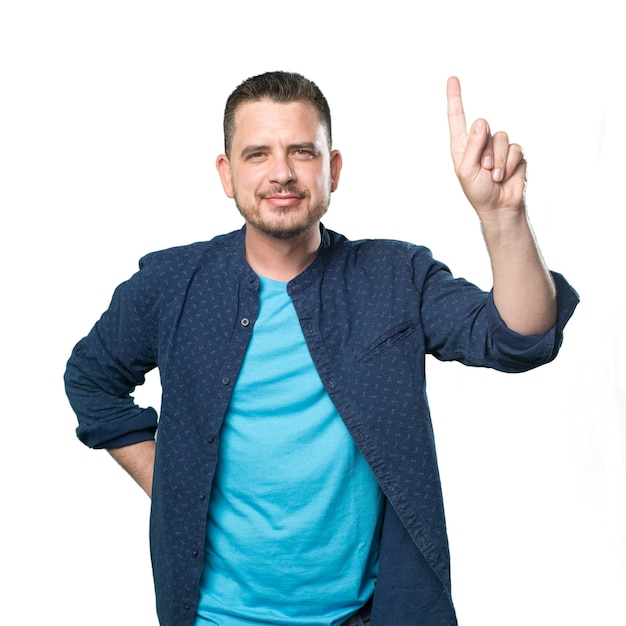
<point x="505" y="225"/>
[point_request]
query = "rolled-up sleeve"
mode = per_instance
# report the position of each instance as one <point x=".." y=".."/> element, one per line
<point x="461" y="323"/>
<point x="512" y="351"/>
<point x="107" y="365"/>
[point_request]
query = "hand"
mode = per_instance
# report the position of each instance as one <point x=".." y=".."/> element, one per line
<point x="492" y="172"/>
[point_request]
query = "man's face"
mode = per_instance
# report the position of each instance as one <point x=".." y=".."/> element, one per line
<point x="281" y="171"/>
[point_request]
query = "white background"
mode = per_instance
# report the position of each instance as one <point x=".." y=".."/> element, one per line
<point x="110" y="121"/>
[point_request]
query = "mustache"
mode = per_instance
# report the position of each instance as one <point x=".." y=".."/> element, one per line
<point x="282" y="190"/>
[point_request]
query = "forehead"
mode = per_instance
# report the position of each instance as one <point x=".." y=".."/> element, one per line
<point x="259" y="121"/>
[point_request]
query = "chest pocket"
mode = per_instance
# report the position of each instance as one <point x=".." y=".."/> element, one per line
<point x="386" y="341"/>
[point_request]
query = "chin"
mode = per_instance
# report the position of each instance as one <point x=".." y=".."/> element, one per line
<point x="286" y="232"/>
<point x="285" y="229"/>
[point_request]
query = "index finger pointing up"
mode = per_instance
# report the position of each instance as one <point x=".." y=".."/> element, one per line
<point x="456" y="120"/>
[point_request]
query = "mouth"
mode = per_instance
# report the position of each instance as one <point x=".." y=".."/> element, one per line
<point x="282" y="201"/>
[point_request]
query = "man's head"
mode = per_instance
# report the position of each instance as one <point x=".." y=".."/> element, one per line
<point x="279" y="166"/>
<point x="278" y="87"/>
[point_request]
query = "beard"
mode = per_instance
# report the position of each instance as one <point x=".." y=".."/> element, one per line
<point x="283" y="222"/>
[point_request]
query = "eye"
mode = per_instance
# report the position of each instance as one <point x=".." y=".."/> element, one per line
<point x="304" y="153"/>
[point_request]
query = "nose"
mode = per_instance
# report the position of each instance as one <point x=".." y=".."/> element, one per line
<point x="281" y="171"/>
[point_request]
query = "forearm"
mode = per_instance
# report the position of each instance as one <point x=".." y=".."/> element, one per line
<point x="523" y="289"/>
<point x="138" y="460"/>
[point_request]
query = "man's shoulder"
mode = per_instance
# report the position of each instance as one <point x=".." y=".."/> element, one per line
<point x="191" y="255"/>
<point x="376" y="247"/>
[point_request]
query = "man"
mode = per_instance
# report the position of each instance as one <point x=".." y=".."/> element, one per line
<point x="294" y="477"/>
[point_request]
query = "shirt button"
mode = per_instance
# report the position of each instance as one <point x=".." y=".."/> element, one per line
<point x="245" y="322"/>
<point x="225" y="380"/>
<point x="211" y="438"/>
<point x="194" y="552"/>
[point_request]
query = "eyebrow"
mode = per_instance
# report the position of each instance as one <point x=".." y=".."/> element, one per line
<point x="305" y="145"/>
<point x="252" y="149"/>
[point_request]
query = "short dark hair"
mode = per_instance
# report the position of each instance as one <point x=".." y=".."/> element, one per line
<point x="279" y="87"/>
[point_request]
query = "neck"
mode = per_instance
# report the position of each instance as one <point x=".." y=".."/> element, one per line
<point x="281" y="259"/>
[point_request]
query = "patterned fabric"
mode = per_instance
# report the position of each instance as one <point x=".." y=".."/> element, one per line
<point x="370" y="311"/>
<point x="295" y="509"/>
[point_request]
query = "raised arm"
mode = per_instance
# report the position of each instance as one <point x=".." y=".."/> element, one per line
<point x="492" y="173"/>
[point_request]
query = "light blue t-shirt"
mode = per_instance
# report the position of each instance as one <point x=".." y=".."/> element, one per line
<point x="294" y="518"/>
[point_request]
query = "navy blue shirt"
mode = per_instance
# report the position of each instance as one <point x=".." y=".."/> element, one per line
<point x="370" y="311"/>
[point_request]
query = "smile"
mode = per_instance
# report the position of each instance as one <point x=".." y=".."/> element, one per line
<point x="283" y="201"/>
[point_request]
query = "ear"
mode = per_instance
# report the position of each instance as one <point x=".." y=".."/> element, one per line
<point x="226" y="174"/>
<point x="336" y="162"/>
